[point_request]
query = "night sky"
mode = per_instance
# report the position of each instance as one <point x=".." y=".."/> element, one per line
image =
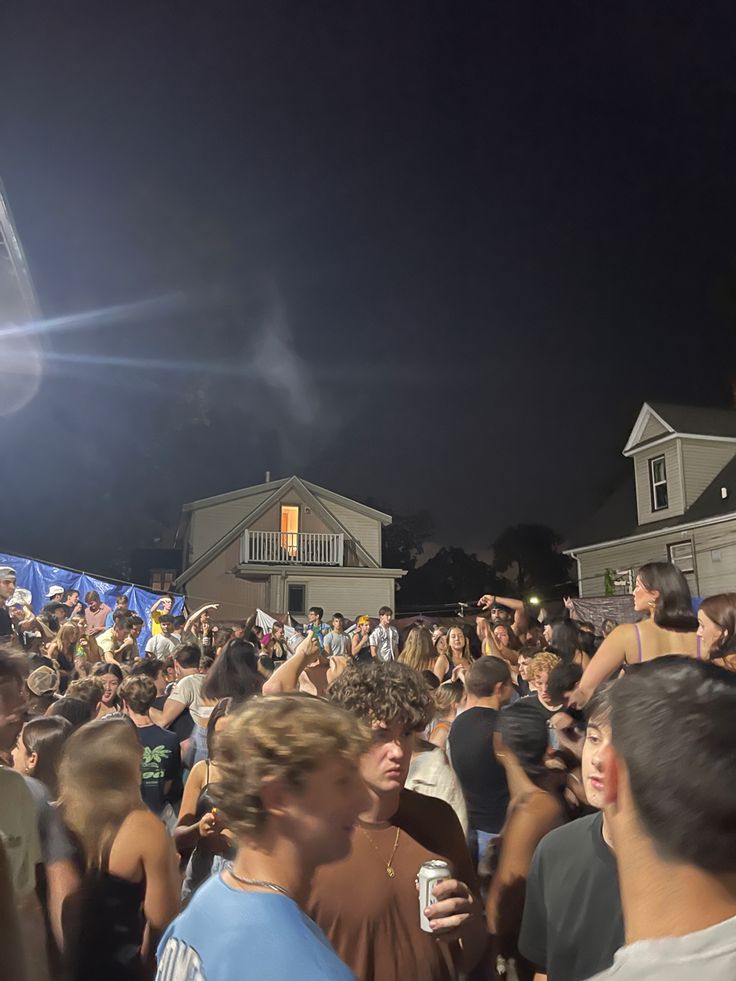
<point x="435" y="255"/>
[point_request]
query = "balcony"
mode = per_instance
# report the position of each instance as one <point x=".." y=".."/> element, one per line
<point x="291" y="548"/>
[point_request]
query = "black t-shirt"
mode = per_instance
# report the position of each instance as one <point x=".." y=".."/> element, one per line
<point x="6" y="624"/>
<point x="161" y="762"/>
<point x="481" y="776"/>
<point x="546" y="713"/>
<point x="572" y="923"/>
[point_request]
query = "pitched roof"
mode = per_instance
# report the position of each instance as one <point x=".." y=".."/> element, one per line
<point x="697" y="420"/>
<point x="279" y="488"/>
<point x="617" y="518"/>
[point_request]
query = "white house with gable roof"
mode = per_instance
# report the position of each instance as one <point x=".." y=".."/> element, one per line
<point x="284" y="546"/>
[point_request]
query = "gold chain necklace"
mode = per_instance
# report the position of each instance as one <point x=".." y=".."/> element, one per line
<point x="390" y="871"/>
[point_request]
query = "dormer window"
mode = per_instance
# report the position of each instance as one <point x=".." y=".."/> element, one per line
<point x="658" y="483"/>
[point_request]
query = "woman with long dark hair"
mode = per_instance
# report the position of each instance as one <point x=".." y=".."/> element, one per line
<point x="562" y="637"/>
<point x="111" y="676"/>
<point x="661" y="592"/>
<point x="234" y="673"/>
<point x="38" y="750"/>
<point x="717" y="629"/>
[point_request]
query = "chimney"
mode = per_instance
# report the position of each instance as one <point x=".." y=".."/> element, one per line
<point x="268" y="476"/>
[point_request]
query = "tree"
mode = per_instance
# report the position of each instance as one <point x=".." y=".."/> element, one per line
<point x="450" y="576"/>
<point x="404" y="539"/>
<point x="533" y="554"/>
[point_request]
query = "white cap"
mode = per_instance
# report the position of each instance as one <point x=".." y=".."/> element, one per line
<point x="55" y="591"/>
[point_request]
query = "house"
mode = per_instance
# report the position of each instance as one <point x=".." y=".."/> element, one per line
<point x="284" y="545"/>
<point x="679" y="507"/>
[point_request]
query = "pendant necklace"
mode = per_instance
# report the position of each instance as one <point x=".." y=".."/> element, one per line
<point x="390" y="871"/>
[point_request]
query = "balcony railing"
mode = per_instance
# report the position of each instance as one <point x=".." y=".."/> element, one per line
<point x="291" y="548"/>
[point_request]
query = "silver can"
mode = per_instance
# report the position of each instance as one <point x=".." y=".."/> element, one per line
<point x="429" y="874"/>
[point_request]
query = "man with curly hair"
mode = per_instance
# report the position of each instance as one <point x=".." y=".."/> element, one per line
<point x="367" y="904"/>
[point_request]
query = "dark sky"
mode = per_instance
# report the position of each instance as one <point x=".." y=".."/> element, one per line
<point x="432" y="254"/>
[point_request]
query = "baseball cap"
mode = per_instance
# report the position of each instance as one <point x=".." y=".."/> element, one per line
<point x="361" y="620"/>
<point x="55" y="591"/>
<point x="43" y="680"/>
<point x="7" y="572"/>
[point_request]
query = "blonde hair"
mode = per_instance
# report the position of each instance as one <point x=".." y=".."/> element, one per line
<point x="63" y="641"/>
<point x="544" y="661"/>
<point x="465" y="656"/>
<point x="419" y="652"/>
<point x="99" y="784"/>
<point x="447" y="697"/>
<point x="282" y="736"/>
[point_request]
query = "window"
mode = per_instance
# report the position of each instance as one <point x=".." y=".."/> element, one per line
<point x="658" y="483"/>
<point x="162" y="579"/>
<point x="681" y="555"/>
<point x="290" y="528"/>
<point x="297" y="599"/>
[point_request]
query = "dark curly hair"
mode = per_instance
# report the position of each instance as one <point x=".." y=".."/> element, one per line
<point x="385" y="692"/>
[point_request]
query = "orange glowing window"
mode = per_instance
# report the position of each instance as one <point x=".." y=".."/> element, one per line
<point x="290" y="528"/>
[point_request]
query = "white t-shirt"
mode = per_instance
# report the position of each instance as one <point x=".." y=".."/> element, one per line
<point x="706" y="955"/>
<point x="160" y="646"/>
<point x="386" y="642"/>
<point x="19" y="831"/>
<point x="188" y="690"/>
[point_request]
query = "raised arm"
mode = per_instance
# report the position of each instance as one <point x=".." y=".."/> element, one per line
<point x="286" y="677"/>
<point x="197" y="614"/>
<point x="608" y="659"/>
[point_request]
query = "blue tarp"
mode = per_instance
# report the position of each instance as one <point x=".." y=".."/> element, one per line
<point x="38" y="577"/>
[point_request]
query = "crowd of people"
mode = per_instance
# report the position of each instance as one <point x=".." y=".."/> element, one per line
<point x="232" y="803"/>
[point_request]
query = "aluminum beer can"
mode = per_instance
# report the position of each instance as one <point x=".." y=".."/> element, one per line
<point x="429" y="874"/>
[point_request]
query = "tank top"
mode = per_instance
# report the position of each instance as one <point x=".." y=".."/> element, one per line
<point x="639" y="647"/>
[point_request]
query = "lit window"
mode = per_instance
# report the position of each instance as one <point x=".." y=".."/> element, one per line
<point x="290" y="528"/>
<point x="658" y="483"/>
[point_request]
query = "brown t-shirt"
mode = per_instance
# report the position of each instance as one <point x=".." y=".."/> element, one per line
<point x="372" y="920"/>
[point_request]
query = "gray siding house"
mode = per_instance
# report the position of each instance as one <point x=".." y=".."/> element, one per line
<point x="680" y="505"/>
<point x="282" y="547"/>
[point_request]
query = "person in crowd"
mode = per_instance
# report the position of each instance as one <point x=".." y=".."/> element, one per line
<point x="420" y="654"/>
<point x="315" y="625"/>
<point x="63" y="649"/>
<point x="200" y="834"/>
<point x="506" y="644"/>
<point x="572" y="923"/>
<point x="361" y="641"/>
<point x="669" y="783"/>
<point x="154" y="669"/>
<point x="131" y="880"/>
<point x="538" y="671"/>
<point x="337" y="642"/>
<point x="526" y="655"/>
<point x="662" y="592"/>
<point x="73" y="606"/>
<point x="187" y="696"/>
<point x="199" y="625"/>
<point x="431" y="774"/>
<point x="375" y="927"/>
<point x="51" y="618"/>
<point x="234" y="674"/>
<point x="470" y="744"/>
<point x="90" y="690"/>
<point x="96" y="613"/>
<point x="608" y="626"/>
<point x="42" y="684"/>
<point x="448" y="699"/>
<point x="279" y="650"/>
<point x="562" y="682"/>
<point x="161" y="762"/>
<point x="11" y="943"/>
<point x="162" y="644"/>
<point x="483" y="628"/>
<point x="385" y="638"/>
<point x="178" y="631"/>
<point x="290" y="791"/>
<point x="503" y="609"/>
<point x="116" y="644"/>
<point x="161" y="607"/>
<point x="439" y="639"/>
<point x="111" y="677"/>
<point x="87" y="653"/>
<point x="36" y="755"/>
<point x="121" y="606"/>
<point x="77" y="711"/>
<point x="7" y="588"/>
<point x="536" y="806"/>
<point x="562" y="637"/>
<point x="459" y="648"/>
<point x="717" y="629"/>
<point x="308" y="671"/>
<point x="37" y="750"/>
<point x="18" y="821"/>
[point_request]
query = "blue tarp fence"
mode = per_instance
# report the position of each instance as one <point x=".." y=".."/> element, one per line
<point x="38" y="577"/>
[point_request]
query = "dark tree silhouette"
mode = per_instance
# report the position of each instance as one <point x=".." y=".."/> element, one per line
<point x="450" y="576"/>
<point x="531" y="555"/>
